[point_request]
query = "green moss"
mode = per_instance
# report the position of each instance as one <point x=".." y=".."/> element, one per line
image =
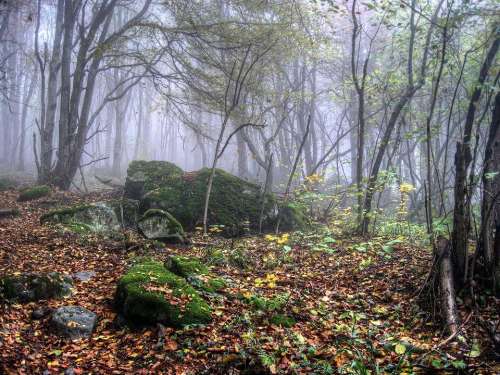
<point x="140" y="306"/>
<point x="79" y="228"/>
<point x="234" y="202"/>
<point x="214" y="285"/>
<point x="184" y="266"/>
<point x="156" y="173"/>
<point x="282" y="320"/>
<point x="34" y="287"/>
<point x="32" y="193"/>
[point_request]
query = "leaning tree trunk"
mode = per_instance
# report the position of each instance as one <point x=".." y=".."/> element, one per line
<point x="447" y="285"/>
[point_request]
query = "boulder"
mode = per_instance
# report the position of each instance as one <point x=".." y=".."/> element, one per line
<point x="34" y="287"/>
<point x="149" y="293"/>
<point x="160" y="225"/>
<point x="32" y="193"/>
<point x="127" y="211"/>
<point x="235" y="204"/>
<point x="73" y="322"/>
<point x="97" y="217"/>
<point x="144" y="176"/>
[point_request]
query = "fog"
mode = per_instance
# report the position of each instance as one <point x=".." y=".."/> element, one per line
<point x="239" y="83"/>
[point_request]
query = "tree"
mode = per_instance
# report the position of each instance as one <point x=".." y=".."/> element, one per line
<point x="75" y="95"/>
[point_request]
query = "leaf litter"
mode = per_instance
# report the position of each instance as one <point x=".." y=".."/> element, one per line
<point x="350" y="306"/>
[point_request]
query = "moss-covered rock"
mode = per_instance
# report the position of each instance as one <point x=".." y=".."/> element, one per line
<point x="34" y="287"/>
<point x="144" y="176"/>
<point x="149" y="293"/>
<point x="235" y="204"/>
<point x="282" y="320"/>
<point x="184" y="266"/>
<point x="127" y="211"/>
<point x="97" y="217"/>
<point x="32" y="193"/>
<point x="157" y="224"/>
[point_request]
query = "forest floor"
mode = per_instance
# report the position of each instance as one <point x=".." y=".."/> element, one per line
<point x="353" y="302"/>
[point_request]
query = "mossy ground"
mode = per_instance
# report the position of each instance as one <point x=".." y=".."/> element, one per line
<point x="32" y="193"/>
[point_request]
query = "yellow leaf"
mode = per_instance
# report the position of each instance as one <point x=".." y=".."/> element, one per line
<point x="400" y="349"/>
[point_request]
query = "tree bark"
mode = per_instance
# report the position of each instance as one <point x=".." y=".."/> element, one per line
<point x="463" y="159"/>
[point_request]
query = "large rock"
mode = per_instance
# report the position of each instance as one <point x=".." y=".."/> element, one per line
<point x="160" y="225"/>
<point x="34" y="287"/>
<point x="148" y="294"/>
<point x="73" y="322"/>
<point x="144" y="176"/>
<point x="234" y="203"/>
<point x="97" y="217"/>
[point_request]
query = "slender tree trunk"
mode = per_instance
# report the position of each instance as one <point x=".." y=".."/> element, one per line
<point x="463" y="159"/>
<point x="24" y="115"/>
<point x="489" y="245"/>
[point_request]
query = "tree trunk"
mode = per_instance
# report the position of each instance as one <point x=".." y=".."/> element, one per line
<point x="463" y="159"/>
<point x="489" y="245"/>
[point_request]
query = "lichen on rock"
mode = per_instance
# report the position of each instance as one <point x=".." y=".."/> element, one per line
<point x="157" y="224"/>
<point x="98" y="217"/>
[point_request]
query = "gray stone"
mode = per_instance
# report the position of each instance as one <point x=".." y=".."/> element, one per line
<point x="83" y="276"/>
<point x="97" y="217"/>
<point x="160" y="225"/>
<point x="73" y="322"/>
